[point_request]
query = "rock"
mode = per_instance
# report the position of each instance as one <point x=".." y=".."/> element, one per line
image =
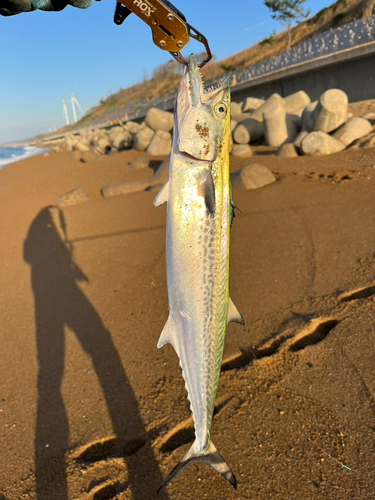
<point x="235" y="108"/>
<point x="134" y="127"/>
<point x="252" y="176"/>
<point x="103" y="146"/>
<point x="160" y="144"/>
<point x="307" y="118"/>
<point x="70" y="140"/>
<point x="157" y="119"/>
<point x="81" y="146"/>
<point x="273" y="99"/>
<point x="90" y="156"/>
<point x="320" y="144"/>
<point x="296" y="103"/>
<point x="126" y="188"/>
<point x="254" y="129"/>
<point x="287" y="150"/>
<point x="275" y="127"/>
<point x="100" y="136"/>
<point x="114" y="131"/>
<point x="370" y="117"/>
<point x="143" y="138"/>
<point x="241" y="150"/>
<point x="139" y="162"/>
<point x="359" y="143"/>
<point x="331" y="111"/>
<point x="352" y="130"/>
<point x="298" y="140"/>
<point x="73" y="197"/>
<point x="96" y="133"/>
<point x="122" y="140"/>
<point x="250" y="104"/>
<point x="369" y="142"/>
<point x="240" y="117"/>
<point x="89" y="137"/>
<point x="162" y="173"/>
<point x="241" y="135"/>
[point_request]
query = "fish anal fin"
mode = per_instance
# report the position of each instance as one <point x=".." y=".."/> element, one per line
<point x="206" y="189"/>
<point x="208" y="455"/>
<point x="163" y="195"/>
<point x="234" y="316"/>
<point x="167" y="335"/>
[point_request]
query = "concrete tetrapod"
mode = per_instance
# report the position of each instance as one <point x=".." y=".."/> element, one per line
<point x="320" y="144"/>
<point x="275" y="128"/>
<point x="352" y="130"/>
<point x="331" y="111"/>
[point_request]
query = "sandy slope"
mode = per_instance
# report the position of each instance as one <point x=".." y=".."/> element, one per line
<point x="83" y="301"/>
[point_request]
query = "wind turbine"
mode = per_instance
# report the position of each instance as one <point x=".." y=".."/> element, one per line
<point x="65" y="112"/>
<point x="74" y="101"/>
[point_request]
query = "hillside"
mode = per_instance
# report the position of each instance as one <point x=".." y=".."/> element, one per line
<point x="165" y="78"/>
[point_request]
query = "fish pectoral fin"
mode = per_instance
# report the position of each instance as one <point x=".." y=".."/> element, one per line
<point x="208" y="455"/>
<point x="234" y="315"/>
<point x="167" y="335"/>
<point x="163" y="195"/>
<point x="206" y="189"/>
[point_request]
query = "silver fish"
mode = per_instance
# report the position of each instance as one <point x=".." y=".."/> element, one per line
<point x="199" y="214"/>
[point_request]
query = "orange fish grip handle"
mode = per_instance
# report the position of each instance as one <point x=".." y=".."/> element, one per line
<point x="170" y="30"/>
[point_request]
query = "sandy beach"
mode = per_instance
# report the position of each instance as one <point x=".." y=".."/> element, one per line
<point x="90" y="409"/>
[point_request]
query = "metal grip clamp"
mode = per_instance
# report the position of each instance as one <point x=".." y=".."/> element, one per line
<point x="170" y="30"/>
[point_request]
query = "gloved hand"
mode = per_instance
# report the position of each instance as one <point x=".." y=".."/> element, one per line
<point x="12" y="7"/>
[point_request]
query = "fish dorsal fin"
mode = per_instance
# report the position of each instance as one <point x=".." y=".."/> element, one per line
<point x="234" y="316"/>
<point x="163" y="195"/>
<point x="167" y="335"/>
<point x="206" y="188"/>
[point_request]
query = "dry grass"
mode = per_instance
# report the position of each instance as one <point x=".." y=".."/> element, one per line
<point x="337" y="14"/>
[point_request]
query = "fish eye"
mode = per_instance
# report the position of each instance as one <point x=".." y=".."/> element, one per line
<point x="220" y="109"/>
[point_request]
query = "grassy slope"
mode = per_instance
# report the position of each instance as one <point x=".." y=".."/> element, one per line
<point x="338" y="14"/>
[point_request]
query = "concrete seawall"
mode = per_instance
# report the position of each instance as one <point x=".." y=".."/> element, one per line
<point x="351" y="70"/>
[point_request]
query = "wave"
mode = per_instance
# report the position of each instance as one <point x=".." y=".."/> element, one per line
<point x="11" y="155"/>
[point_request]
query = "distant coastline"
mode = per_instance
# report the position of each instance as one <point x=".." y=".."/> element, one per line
<point x="13" y="153"/>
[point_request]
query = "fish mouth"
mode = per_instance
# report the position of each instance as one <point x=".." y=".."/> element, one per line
<point x="194" y="85"/>
<point x="194" y="159"/>
<point x="192" y="92"/>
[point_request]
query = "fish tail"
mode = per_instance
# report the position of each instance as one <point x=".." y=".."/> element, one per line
<point x="208" y="455"/>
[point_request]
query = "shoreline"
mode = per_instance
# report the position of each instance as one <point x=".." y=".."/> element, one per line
<point x="29" y="151"/>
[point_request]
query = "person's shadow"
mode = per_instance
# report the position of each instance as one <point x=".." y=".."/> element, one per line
<point x="60" y="303"/>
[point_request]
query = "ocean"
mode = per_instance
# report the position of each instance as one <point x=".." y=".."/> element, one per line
<point x="10" y="155"/>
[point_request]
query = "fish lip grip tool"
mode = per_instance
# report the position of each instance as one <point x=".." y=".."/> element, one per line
<point x="170" y="30"/>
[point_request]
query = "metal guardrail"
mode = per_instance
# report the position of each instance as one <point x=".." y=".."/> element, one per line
<point x="350" y="35"/>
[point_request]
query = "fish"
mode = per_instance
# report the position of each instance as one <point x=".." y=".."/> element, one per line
<point x="199" y="216"/>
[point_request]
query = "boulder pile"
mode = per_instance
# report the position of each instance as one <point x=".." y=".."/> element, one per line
<point x="297" y="126"/>
<point x="152" y="136"/>
<point x="294" y="125"/>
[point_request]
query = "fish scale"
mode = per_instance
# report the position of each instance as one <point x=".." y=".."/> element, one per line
<point x="197" y="252"/>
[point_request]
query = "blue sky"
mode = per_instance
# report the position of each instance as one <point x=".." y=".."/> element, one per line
<point x="44" y="56"/>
